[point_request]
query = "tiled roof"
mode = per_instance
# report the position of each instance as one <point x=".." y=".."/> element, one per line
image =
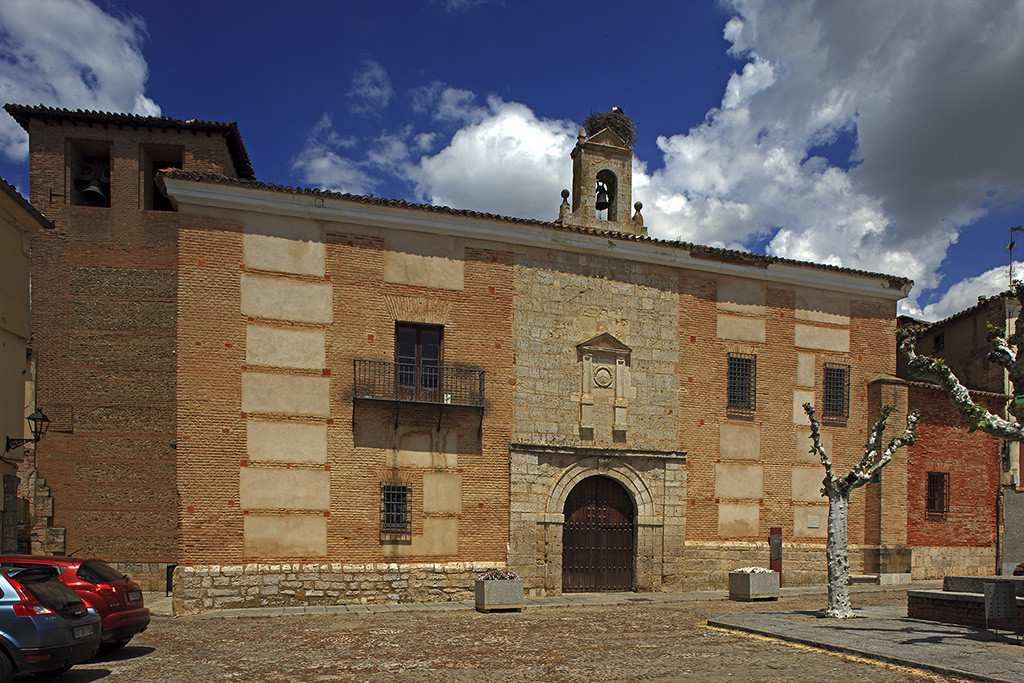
<point x="973" y="392"/>
<point x="243" y="167"/>
<point x="982" y="302"/>
<point x="13" y="193"/>
<point x="696" y="250"/>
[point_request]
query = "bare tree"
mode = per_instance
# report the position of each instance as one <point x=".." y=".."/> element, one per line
<point x="1005" y="352"/>
<point x="838" y="490"/>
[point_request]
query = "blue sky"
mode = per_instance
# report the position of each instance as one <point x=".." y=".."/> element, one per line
<point x="879" y="135"/>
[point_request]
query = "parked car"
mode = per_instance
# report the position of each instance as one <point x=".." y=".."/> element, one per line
<point x="117" y="598"/>
<point x="45" y="627"/>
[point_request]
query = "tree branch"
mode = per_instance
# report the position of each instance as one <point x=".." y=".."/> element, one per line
<point x="871" y="448"/>
<point x="816" y="442"/>
<point x="1001" y="353"/>
<point x="976" y="416"/>
<point x="906" y="438"/>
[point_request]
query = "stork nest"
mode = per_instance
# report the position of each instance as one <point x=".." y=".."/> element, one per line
<point x="614" y="119"/>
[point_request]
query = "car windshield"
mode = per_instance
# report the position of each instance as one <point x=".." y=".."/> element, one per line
<point x="95" y="571"/>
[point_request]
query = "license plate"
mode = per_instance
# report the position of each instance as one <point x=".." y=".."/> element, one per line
<point x="81" y="631"/>
<point x="134" y="596"/>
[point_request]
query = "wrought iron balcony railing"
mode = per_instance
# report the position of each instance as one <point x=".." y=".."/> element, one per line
<point x="381" y="380"/>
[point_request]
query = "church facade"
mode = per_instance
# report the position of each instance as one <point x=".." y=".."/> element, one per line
<point x="375" y="400"/>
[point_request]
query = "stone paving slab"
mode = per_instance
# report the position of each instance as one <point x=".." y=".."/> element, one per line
<point x="887" y="634"/>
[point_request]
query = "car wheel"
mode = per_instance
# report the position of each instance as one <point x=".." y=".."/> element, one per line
<point x="6" y="669"/>
<point x="115" y="645"/>
<point x="53" y="672"/>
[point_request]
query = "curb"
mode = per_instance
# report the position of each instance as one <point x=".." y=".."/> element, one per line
<point x="842" y="649"/>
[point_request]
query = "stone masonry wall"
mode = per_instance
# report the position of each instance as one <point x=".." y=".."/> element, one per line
<point x="564" y="298"/>
<point x="211" y="587"/>
<point x="708" y="564"/>
<point x="542" y="479"/>
<point x="151" y="576"/>
<point x="938" y="562"/>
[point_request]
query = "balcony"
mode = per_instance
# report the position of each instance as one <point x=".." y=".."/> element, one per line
<point x="378" y="380"/>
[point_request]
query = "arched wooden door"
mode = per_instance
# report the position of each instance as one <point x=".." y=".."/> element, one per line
<point x="598" y="538"/>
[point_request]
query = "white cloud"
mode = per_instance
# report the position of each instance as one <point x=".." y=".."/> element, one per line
<point x="448" y="104"/>
<point x="371" y="89"/>
<point x="458" y="5"/>
<point x="965" y="293"/>
<point x="510" y="163"/>
<point x="933" y="111"/>
<point x="69" y="53"/>
<point x="507" y="162"/>
<point x="934" y="108"/>
<point x="321" y="162"/>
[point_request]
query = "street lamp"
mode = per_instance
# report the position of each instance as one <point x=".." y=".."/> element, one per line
<point x="39" y="423"/>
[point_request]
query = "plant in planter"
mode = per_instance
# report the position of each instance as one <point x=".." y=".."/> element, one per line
<point x="753" y="583"/>
<point x="499" y="590"/>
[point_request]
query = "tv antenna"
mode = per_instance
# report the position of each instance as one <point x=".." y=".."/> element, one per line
<point x="1010" y="247"/>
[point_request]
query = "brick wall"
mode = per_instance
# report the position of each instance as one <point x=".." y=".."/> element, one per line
<point x="972" y="462"/>
<point x="783" y="446"/>
<point x="363" y="437"/>
<point x="104" y="288"/>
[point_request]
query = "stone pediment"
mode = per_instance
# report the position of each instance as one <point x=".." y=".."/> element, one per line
<point x="604" y="342"/>
<point x="606" y="136"/>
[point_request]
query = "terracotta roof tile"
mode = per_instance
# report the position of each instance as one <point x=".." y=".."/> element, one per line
<point x="696" y="250"/>
<point x="243" y="167"/>
<point x="13" y="193"/>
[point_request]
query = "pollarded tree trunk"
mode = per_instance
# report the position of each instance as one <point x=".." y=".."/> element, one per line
<point x="838" y="490"/>
<point x="837" y="556"/>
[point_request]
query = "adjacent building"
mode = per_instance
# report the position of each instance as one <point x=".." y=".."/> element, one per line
<point x="972" y="491"/>
<point x="19" y="222"/>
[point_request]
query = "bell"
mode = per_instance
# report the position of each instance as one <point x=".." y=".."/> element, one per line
<point x="602" y="198"/>
<point x="94" y="195"/>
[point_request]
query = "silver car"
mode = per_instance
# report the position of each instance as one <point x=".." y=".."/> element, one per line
<point x="44" y="626"/>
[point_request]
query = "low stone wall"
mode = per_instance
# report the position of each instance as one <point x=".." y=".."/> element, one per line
<point x="708" y="563"/>
<point x="151" y="576"/>
<point x="201" y="588"/>
<point x="976" y="584"/>
<point x="939" y="562"/>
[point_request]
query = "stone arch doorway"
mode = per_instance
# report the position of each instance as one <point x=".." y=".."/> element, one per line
<point x="598" y="537"/>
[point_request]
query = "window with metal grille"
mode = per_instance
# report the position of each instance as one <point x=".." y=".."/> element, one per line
<point x="835" y="403"/>
<point x="742" y="382"/>
<point x="395" y="520"/>
<point x="937" y="500"/>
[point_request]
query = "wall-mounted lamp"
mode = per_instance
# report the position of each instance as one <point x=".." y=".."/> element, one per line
<point x="39" y="424"/>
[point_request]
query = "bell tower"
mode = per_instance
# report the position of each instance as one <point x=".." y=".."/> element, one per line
<point x="602" y="164"/>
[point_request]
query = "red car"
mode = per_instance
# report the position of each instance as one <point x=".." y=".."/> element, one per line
<point x="117" y="598"/>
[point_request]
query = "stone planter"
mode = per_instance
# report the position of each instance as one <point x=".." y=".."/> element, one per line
<point x="499" y="595"/>
<point x="747" y="587"/>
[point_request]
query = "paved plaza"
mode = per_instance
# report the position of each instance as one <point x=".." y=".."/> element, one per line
<point x="584" y="638"/>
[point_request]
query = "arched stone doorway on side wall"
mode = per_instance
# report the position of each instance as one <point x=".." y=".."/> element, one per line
<point x="598" y="537"/>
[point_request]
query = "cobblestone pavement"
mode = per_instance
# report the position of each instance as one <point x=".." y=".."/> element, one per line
<point x="633" y="642"/>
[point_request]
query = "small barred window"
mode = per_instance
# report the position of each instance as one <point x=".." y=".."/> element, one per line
<point x="836" y="399"/>
<point x="395" y="517"/>
<point x="741" y="388"/>
<point x="937" y="499"/>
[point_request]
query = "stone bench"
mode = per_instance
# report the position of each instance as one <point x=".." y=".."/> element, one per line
<point x="962" y="601"/>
